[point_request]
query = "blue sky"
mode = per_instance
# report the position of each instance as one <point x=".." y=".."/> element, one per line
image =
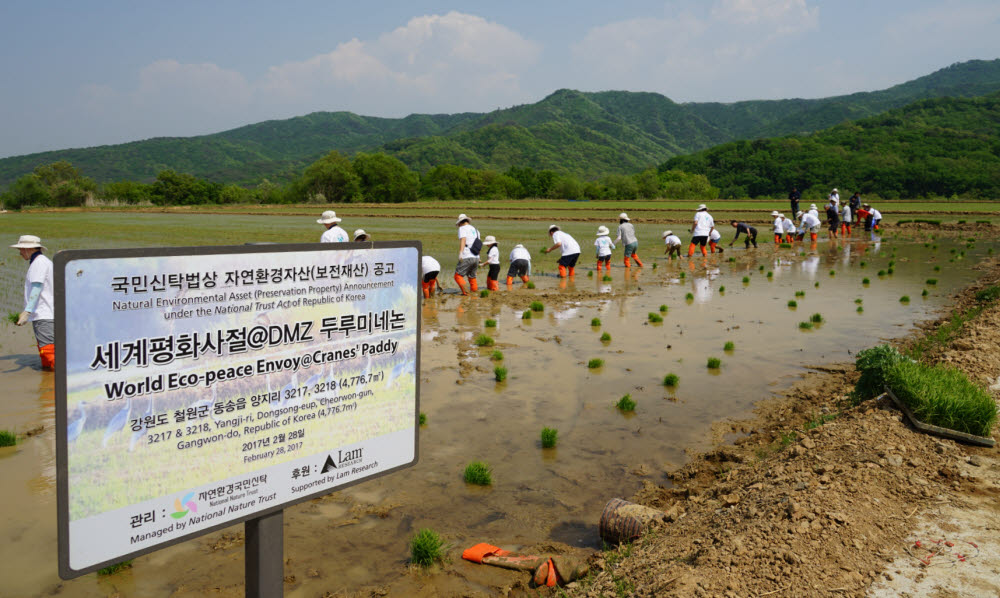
<point x="79" y="74"/>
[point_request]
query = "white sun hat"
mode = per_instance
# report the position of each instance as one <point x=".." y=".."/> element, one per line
<point x="489" y="240"/>
<point x="360" y="233"/>
<point x="775" y="213"/>
<point x="667" y="233"/>
<point x="835" y="190"/>
<point x="623" y="216"/>
<point x="799" y="214"/>
<point x="328" y="217"/>
<point x="602" y="230"/>
<point x="461" y="218"/>
<point x="519" y="246"/>
<point x="702" y="207"/>
<point x="812" y="206"/>
<point x="28" y="242"/>
<point x="553" y="227"/>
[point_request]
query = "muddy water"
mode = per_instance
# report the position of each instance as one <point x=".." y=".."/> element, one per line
<point x="359" y="537"/>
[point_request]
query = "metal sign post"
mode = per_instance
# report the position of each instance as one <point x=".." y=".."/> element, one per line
<point x="264" y="555"/>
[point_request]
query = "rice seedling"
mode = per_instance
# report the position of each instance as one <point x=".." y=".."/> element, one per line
<point x="729" y="346"/>
<point x="761" y="269"/>
<point x="605" y="338"/>
<point x="654" y="265"/>
<point x="714" y="363"/>
<point x="115" y="568"/>
<point x="816" y="286"/>
<point x="805" y="325"/>
<point x="860" y="310"/>
<point x="526" y="314"/>
<point x="625" y="404"/>
<point x="904" y="299"/>
<point x="892" y="263"/>
<point x="490" y="323"/>
<point x="426" y="547"/>
<point x="595" y="321"/>
<point x="873" y="364"/>
<point x="655" y="318"/>
<point x="595" y="363"/>
<point x="785" y="245"/>
<point x="663" y="309"/>
<point x="746" y="280"/>
<point x="722" y="290"/>
<point x="7" y="438"/>
<point x="793" y="303"/>
<point x="537" y="306"/>
<point x="862" y="264"/>
<point x="689" y="297"/>
<point x="800" y="293"/>
<point x="683" y="275"/>
<point x="423" y="419"/>
<point x="890" y="271"/>
<point x="931" y="281"/>
<point x="478" y="473"/>
<point x="671" y="380"/>
<point x="531" y="284"/>
<point x="484" y="293"/>
<point x="607" y="278"/>
<point x="732" y="259"/>
<point x="859" y="300"/>
<point x="590" y="273"/>
<point x="770" y="274"/>
<point x="833" y="272"/>
<point x="12" y="317"/>
<point x="943" y="396"/>
<point x="865" y="281"/>
<point x="497" y="355"/>
<point x="500" y="373"/>
<point x="881" y="273"/>
<point x="549" y="436"/>
<point x="924" y="293"/>
<point x="484" y="341"/>
<point x="816" y="318"/>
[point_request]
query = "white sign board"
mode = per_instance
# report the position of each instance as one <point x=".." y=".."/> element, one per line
<point x="200" y="387"/>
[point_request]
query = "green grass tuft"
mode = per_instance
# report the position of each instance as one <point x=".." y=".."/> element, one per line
<point x="890" y="271"/>
<point x="479" y="473"/>
<point x="663" y="309"/>
<point x="904" y="299"/>
<point x="793" y="303"/>
<point x="746" y="280"/>
<point x="859" y="300"/>
<point x="860" y="310"/>
<point x="833" y="272"/>
<point x="490" y="323"/>
<point x="683" y="275"/>
<point x="863" y="264"/>
<point x="988" y="295"/>
<point x="760" y="269"/>
<point x="497" y="355"/>
<point x="729" y="346"/>
<point x="500" y="373"/>
<point x="531" y="284"/>
<point x="770" y="274"/>
<point x="426" y="547"/>
<point x="816" y="318"/>
<point x="537" y="306"/>
<point x="816" y="286"/>
<point x="805" y="325"/>
<point x="484" y="293"/>
<point x="607" y="278"/>
<point x="7" y="438"/>
<point x="722" y="289"/>
<point x="484" y="341"/>
<point x="605" y="338"/>
<point x="865" y="281"/>
<point x="689" y="297"/>
<point x="590" y="273"/>
<point x="671" y="380"/>
<point x="881" y="273"/>
<point x="595" y="363"/>
<point x="549" y="436"/>
<point x="423" y="419"/>
<point x="924" y="293"/>
<point x="714" y="363"/>
<point x="595" y="321"/>
<point x="112" y="569"/>
<point x="942" y="396"/>
<point x="526" y="314"/>
<point x="654" y="317"/>
<point x="625" y="404"/>
<point x="800" y="293"/>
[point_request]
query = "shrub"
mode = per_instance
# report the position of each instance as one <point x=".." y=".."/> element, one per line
<point x="663" y="309"/>
<point x="943" y="396"/>
<point x="500" y="373"/>
<point x="537" y="306"/>
<point x="526" y="314"/>
<point x="497" y="355"/>
<point x="7" y="438"/>
<point x="805" y="325"/>
<point x="714" y="363"/>
<point x="595" y="321"/>
<point x="988" y="294"/>
<point x="729" y="346"/>
<point x="671" y="380"/>
<point x="793" y="303"/>
<point x="816" y="318"/>
<point x="484" y="341"/>
<point x="605" y="338"/>
<point x="595" y="363"/>
<point x="423" y="419"/>
<point x="654" y="317"/>
<point x="625" y="403"/>
<point x="549" y="436"/>
<point x="746" y="280"/>
<point x="478" y="473"/>
<point x="904" y="299"/>
<point x="484" y="293"/>
<point x="873" y="363"/>
<point x="426" y="547"/>
<point x="490" y="323"/>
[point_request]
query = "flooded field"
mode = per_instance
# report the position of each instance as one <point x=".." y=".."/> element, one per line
<point x="359" y="537"/>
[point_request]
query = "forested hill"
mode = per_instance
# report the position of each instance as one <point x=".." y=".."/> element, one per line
<point x="585" y="134"/>
<point x="938" y="147"/>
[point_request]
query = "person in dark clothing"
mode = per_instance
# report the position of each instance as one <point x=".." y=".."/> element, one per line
<point x="855" y="202"/>
<point x="749" y="231"/>
<point x="794" y="198"/>
<point x="832" y="219"/>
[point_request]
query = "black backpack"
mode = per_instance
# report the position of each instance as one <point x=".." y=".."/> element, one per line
<point x="477" y="245"/>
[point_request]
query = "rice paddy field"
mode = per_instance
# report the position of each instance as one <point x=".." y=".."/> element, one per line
<point x="537" y="495"/>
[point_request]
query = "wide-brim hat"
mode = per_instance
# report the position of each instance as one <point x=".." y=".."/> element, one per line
<point x="602" y="230"/>
<point x="489" y="240"/>
<point x="702" y="207"/>
<point x="775" y="213"/>
<point x="667" y="233"/>
<point x="360" y="233"/>
<point x="553" y="227"/>
<point x="461" y="218"/>
<point x="519" y="246"/>
<point x="835" y="190"/>
<point x="799" y="214"/>
<point x="28" y="242"/>
<point x="865" y="205"/>
<point x="623" y="216"/>
<point x="328" y="217"/>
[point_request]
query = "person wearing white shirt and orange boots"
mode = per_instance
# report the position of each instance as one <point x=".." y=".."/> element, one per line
<point x="788" y="225"/>
<point x="713" y="240"/>
<point x="673" y="243"/>
<point x="333" y="234"/>
<point x="468" y="259"/>
<point x="808" y="223"/>
<point x="845" y="220"/>
<point x="430" y="268"/>
<point x="493" y="261"/>
<point x="626" y="234"/>
<point x="569" y="248"/>
<point x="520" y="264"/>
<point x="778" y="225"/>
<point x="703" y="226"/>
<point x="604" y="246"/>
<point x="39" y="303"/>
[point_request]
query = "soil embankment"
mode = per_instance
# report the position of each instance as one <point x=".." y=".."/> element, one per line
<point x="816" y="499"/>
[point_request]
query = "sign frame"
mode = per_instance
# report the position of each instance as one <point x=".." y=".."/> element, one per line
<point x="62" y="261"/>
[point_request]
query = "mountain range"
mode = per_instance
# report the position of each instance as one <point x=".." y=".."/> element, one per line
<point x="587" y="134"/>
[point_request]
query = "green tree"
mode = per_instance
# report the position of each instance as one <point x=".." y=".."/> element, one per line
<point x="332" y="176"/>
<point x="385" y="179"/>
<point x="27" y="191"/>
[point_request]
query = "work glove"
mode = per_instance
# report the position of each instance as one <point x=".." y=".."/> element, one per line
<point x="23" y="318"/>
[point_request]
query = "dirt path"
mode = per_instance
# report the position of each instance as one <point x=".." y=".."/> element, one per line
<point x="835" y="510"/>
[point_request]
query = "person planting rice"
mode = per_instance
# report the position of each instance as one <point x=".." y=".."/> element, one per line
<point x="779" y="227"/>
<point x="360" y="235"/>
<point x="876" y="217"/>
<point x="673" y="243"/>
<point x="788" y="226"/>
<point x="569" y="249"/>
<point x="814" y="210"/>
<point x="604" y="246"/>
<point x="520" y="264"/>
<point x="626" y="235"/>
<point x="832" y="219"/>
<point x="865" y="215"/>
<point x="845" y="220"/>
<point x="834" y="198"/>
<point x="334" y="233"/>
<point x="713" y="240"/>
<point x="469" y="247"/>
<point x="430" y="268"/>
<point x="749" y="231"/>
<point x="703" y="226"/>
<point x="38" y="298"/>
<point x="808" y="223"/>
<point x="493" y="261"/>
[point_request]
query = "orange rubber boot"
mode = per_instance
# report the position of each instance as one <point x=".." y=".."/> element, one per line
<point x="473" y="285"/>
<point x="493" y="285"/>
<point x="48" y="355"/>
<point x="690" y="249"/>
<point x="704" y="251"/>
<point x="812" y="237"/>
<point x="711" y="245"/>
<point x="598" y="266"/>
<point x="572" y="271"/>
<point x="427" y="289"/>
<point x="460" y="281"/>
<point x="562" y="271"/>
<point x="635" y="256"/>
<point x="510" y="281"/>
<point x="525" y="280"/>
<point x="628" y="263"/>
<point x="433" y="284"/>
<point x="777" y="239"/>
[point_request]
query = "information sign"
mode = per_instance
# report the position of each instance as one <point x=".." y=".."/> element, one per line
<point x="200" y="387"/>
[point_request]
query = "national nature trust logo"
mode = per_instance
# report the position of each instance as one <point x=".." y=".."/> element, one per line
<point x="182" y="506"/>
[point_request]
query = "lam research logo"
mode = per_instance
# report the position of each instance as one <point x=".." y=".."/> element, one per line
<point x="343" y="459"/>
<point x="182" y="506"/>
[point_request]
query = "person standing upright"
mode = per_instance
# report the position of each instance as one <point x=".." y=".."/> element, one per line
<point x="855" y="202"/>
<point x="604" y="245"/>
<point x="835" y="199"/>
<point x="626" y="234"/>
<point x="334" y="233"/>
<point x="569" y="249"/>
<point x="39" y="303"/>
<point x="793" y="199"/>
<point x="468" y="254"/>
<point x="493" y="261"/>
<point x="703" y="226"/>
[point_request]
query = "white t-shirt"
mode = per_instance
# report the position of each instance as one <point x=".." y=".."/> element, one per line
<point x="40" y="270"/>
<point x="779" y="226"/>
<point x="672" y="240"/>
<point x="334" y="234"/>
<point x="815" y="214"/>
<point x="835" y="198"/>
<point x="603" y="245"/>
<point x="846" y="213"/>
<point x="876" y="215"/>
<point x="429" y="264"/>
<point x="703" y="223"/>
<point x="567" y="244"/>
<point x="469" y="233"/>
<point x="715" y="235"/>
<point x="788" y="225"/>
<point x="809" y="220"/>
<point x="519" y="253"/>
<point x="493" y="255"/>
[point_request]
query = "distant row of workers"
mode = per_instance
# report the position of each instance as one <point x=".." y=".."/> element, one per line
<point x="838" y="221"/>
